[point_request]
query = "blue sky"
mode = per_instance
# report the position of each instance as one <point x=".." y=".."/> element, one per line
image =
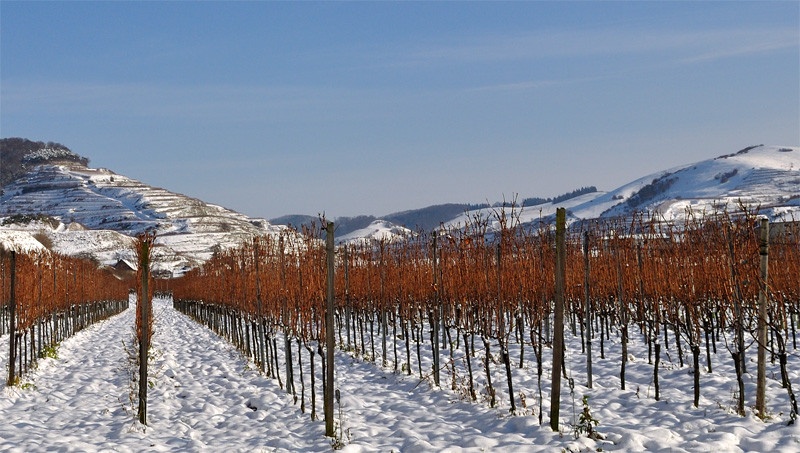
<point x="273" y="108"/>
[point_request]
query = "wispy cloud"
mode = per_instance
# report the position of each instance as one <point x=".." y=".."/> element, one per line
<point x="535" y="84"/>
<point x="525" y="85"/>
<point x="632" y="52"/>
<point x="755" y="47"/>
<point x="162" y="100"/>
<point x="688" y="46"/>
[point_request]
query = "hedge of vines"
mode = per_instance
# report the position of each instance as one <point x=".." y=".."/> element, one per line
<point x="684" y="285"/>
<point x="55" y="296"/>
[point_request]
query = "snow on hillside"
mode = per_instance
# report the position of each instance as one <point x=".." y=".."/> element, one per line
<point x="19" y="241"/>
<point x="107" y="247"/>
<point x="376" y="231"/>
<point x="101" y="199"/>
<point x="524" y="214"/>
<point x="764" y="176"/>
<point x="188" y="230"/>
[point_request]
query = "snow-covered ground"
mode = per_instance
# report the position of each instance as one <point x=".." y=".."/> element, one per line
<point x="205" y="397"/>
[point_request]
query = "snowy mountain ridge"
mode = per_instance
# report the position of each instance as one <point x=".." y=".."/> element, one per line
<point x="113" y="208"/>
<point x="764" y="177"/>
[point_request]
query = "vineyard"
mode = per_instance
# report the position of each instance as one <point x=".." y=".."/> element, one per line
<point x="48" y="297"/>
<point x="474" y="327"/>
<point x="462" y="299"/>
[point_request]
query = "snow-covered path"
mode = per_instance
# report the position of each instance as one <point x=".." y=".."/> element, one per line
<point x="208" y="398"/>
<point x="77" y="402"/>
<point x="394" y="413"/>
<point x="198" y="401"/>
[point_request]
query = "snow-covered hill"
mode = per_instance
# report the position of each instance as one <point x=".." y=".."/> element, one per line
<point x="115" y="208"/>
<point x="764" y="177"/>
<point x="377" y="230"/>
<point x="107" y="247"/>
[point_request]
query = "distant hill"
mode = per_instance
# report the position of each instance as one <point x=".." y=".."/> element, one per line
<point x="430" y="217"/>
<point x="57" y="183"/>
<point x="344" y="225"/>
<point x="764" y="177"/>
<point x="426" y="218"/>
<point x="757" y="176"/>
<point x="567" y="196"/>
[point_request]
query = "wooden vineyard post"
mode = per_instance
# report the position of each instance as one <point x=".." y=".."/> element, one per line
<point x="347" y="296"/>
<point x="261" y="354"/>
<point x="12" y="305"/>
<point x="144" y="319"/>
<point x="434" y="312"/>
<point x="329" y="332"/>
<point x="588" y="309"/>
<point x="761" y="380"/>
<point x="558" y="319"/>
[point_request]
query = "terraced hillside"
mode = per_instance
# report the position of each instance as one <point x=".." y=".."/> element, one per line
<point x="189" y="230"/>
